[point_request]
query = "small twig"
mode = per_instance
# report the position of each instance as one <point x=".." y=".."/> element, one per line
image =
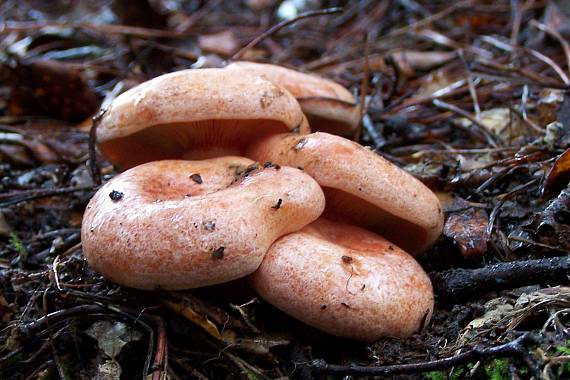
<point x="428" y="20"/>
<point x="159" y="364"/>
<point x="21" y="196"/>
<point x="516" y="18"/>
<point x="33" y="328"/>
<point x="69" y="242"/>
<point x="375" y="136"/>
<point x="94" y="169"/>
<point x="527" y="121"/>
<point x="536" y="54"/>
<point x="468" y="151"/>
<point x="363" y="87"/>
<point x="36" y="326"/>
<point x="537" y="244"/>
<point x="244" y="366"/>
<point x="556" y="35"/>
<point x="487" y="136"/>
<point x="136" y="31"/>
<point x="503" y="198"/>
<point x="281" y="25"/>
<point x="471" y="85"/>
<point x="515" y="348"/>
<point x="58" y="364"/>
<point x="458" y="284"/>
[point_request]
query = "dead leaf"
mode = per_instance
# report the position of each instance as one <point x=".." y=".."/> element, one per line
<point x="112" y="336"/>
<point x="468" y="229"/>
<point x="408" y="61"/>
<point x="435" y="83"/>
<point x="6" y="312"/>
<point x="548" y="104"/>
<point x="141" y="13"/>
<point x="498" y="121"/>
<point x="559" y="175"/>
<point x="200" y="320"/>
<point x="50" y="88"/>
<point x="5" y="230"/>
<point x="496" y="310"/>
<point x="222" y="43"/>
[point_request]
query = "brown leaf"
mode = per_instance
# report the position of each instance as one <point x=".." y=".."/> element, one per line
<point x="139" y="13"/>
<point x="468" y="229"/>
<point x="6" y="311"/>
<point x="50" y="88"/>
<point x="222" y="43"/>
<point x="408" y="61"/>
<point x="559" y="175"/>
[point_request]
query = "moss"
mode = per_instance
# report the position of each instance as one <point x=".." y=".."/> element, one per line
<point x="498" y="369"/>
<point x="18" y="246"/>
<point x="455" y="374"/>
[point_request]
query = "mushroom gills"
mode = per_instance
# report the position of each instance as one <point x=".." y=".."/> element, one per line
<point x="193" y="141"/>
<point x="343" y="206"/>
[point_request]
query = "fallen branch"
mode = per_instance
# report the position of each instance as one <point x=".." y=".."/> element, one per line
<point x="515" y="348"/>
<point x="28" y="195"/>
<point x="456" y="284"/>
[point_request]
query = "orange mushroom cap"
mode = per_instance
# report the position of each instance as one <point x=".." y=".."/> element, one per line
<point x="195" y="114"/>
<point x="345" y="281"/>
<point x="186" y="224"/>
<point x="360" y="186"/>
<point x="329" y="106"/>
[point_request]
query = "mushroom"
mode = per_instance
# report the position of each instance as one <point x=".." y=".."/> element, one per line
<point x="345" y="281"/>
<point x="360" y="186"/>
<point x="195" y="114"/>
<point x="329" y="106"/>
<point x="183" y="224"/>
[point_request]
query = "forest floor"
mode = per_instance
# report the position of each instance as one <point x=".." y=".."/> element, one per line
<point x="471" y="97"/>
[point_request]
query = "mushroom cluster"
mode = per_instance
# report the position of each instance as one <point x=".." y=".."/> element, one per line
<point x="225" y="180"/>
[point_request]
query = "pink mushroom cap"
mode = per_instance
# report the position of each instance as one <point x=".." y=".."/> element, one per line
<point x="329" y="107"/>
<point x="187" y="224"/>
<point x="195" y="114"/>
<point x="360" y="186"/>
<point x="345" y="281"/>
